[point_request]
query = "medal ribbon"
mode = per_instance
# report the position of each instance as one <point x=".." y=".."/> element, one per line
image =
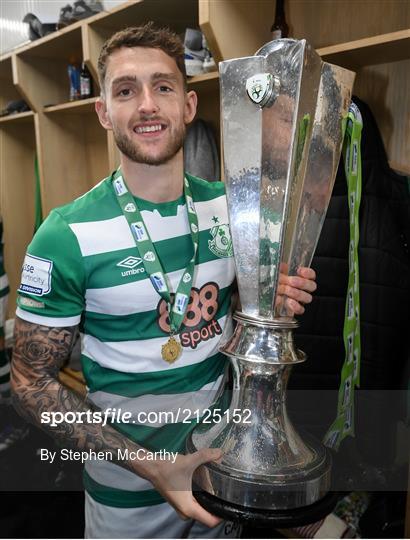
<point x="176" y="307"/>
<point x="350" y="375"/>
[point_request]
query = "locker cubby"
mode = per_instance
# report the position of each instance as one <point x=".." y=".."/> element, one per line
<point x="41" y="69"/>
<point x="8" y="92"/>
<point x="176" y="15"/>
<point x="17" y="153"/>
<point x="76" y="155"/>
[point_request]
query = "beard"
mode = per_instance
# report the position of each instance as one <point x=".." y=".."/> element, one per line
<point x="133" y="152"/>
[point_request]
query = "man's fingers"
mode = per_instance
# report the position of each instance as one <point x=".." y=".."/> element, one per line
<point x="301" y="283"/>
<point x="307" y="273"/>
<point x="203" y="516"/>
<point x="182" y="515"/>
<point x="293" y="307"/>
<point x="205" y="455"/>
<point x="300" y="296"/>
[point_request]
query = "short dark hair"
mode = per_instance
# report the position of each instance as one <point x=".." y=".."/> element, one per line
<point x="147" y="35"/>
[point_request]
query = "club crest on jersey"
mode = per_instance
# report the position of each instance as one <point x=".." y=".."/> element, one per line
<point x="130" y="207"/>
<point x="119" y="186"/>
<point x="221" y="243"/>
<point x="139" y="231"/>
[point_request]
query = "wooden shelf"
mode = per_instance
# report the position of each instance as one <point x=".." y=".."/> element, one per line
<point x="176" y="15"/>
<point x="23" y="118"/>
<point x="204" y="77"/>
<point x="60" y="44"/>
<point x="82" y="106"/>
<point x="391" y="47"/>
<point x="205" y="84"/>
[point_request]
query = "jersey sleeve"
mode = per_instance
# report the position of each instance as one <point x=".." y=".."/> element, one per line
<point x="52" y="289"/>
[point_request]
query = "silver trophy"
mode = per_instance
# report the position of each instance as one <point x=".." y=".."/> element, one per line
<point x="283" y="113"/>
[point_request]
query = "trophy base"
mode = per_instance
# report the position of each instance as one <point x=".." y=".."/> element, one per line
<point x="295" y="517"/>
<point x="285" y="489"/>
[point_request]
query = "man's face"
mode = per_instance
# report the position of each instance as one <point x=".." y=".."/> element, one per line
<point x="146" y="105"/>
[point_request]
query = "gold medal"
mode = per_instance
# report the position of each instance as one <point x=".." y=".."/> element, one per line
<point x="171" y="350"/>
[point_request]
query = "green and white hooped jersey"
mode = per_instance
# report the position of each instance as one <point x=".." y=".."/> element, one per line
<point x="83" y="267"/>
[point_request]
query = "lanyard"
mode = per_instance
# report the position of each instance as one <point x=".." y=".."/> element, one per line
<point x="350" y="375"/>
<point x="177" y="306"/>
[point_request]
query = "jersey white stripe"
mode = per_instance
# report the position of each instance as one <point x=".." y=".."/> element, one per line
<point x="112" y="475"/>
<point x="159" y="227"/>
<point x="95" y="237"/>
<point x="144" y="356"/>
<point x="157" y="410"/>
<point x="47" y="321"/>
<point x="208" y="210"/>
<point x="121" y="299"/>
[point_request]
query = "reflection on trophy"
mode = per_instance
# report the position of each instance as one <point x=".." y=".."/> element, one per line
<point x="283" y="114"/>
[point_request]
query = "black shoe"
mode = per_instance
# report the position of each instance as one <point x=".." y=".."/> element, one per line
<point x="36" y="29"/>
<point x="82" y="10"/>
<point x="66" y="17"/>
<point x="14" y="107"/>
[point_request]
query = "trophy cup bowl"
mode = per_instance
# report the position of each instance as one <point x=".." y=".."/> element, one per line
<point x="283" y="112"/>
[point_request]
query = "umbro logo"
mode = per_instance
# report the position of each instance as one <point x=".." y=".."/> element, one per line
<point x="131" y="264"/>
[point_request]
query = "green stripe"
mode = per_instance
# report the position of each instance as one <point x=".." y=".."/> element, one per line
<point x="144" y="325"/>
<point x="120" y="498"/>
<point x="165" y="209"/>
<point x="174" y="254"/>
<point x="96" y="205"/>
<point x="202" y="190"/>
<point x="183" y="379"/>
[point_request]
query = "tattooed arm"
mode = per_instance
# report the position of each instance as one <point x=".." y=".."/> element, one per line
<point x="39" y="353"/>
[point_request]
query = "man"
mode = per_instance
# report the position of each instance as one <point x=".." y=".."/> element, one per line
<point x="151" y="312"/>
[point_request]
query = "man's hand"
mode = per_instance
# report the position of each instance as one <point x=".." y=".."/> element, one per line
<point x="295" y="290"/>
<point x="174" y="482"/>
